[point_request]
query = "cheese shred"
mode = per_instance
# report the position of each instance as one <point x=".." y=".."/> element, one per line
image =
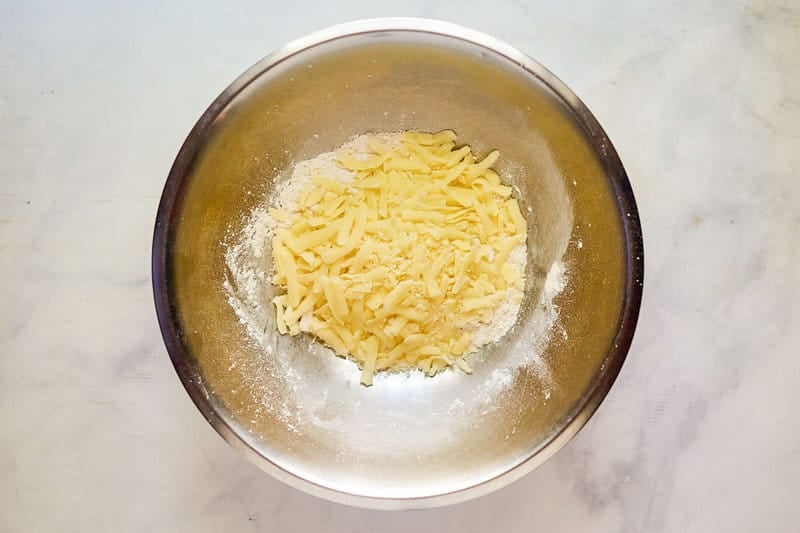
<point x="396" y="269"/>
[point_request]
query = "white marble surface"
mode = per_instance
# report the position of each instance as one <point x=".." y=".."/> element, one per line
<point x="700" y="433"/>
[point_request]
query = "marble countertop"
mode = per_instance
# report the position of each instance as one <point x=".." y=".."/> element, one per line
<point x="700" y="432"/>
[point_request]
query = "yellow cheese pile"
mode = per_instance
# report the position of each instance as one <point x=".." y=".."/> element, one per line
<point x="398" y="268"/>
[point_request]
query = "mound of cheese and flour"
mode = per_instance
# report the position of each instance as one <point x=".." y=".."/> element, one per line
<point x="398" y="251"/>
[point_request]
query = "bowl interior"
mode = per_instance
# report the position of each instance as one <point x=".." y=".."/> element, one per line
<point x="300" y="412"/>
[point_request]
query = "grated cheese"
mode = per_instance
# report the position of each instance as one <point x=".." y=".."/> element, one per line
<point x="398" y="267"/>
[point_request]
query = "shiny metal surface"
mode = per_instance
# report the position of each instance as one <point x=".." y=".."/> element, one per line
<point x="407" y="442"/>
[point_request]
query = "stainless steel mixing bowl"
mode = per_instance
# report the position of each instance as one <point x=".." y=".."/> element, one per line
<point x="297" y="411"/>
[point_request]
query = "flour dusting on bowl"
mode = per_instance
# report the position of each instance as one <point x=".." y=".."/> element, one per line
<point x="247" y="262"/>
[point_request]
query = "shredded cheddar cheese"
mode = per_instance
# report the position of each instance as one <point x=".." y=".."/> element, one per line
<point x="394" y="269"/>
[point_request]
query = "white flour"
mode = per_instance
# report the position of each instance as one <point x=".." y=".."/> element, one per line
<point x="295" y="395"/>
<point x="292" y="393"/>
<point x="539" y="327"/>
<point x="325" y="164"/>
<point x="246" y="260"/>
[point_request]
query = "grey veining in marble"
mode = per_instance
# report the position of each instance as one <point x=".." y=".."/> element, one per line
<point x="700" y="433"/>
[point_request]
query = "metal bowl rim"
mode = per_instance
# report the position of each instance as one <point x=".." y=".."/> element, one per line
<point x="593" y="396"/>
